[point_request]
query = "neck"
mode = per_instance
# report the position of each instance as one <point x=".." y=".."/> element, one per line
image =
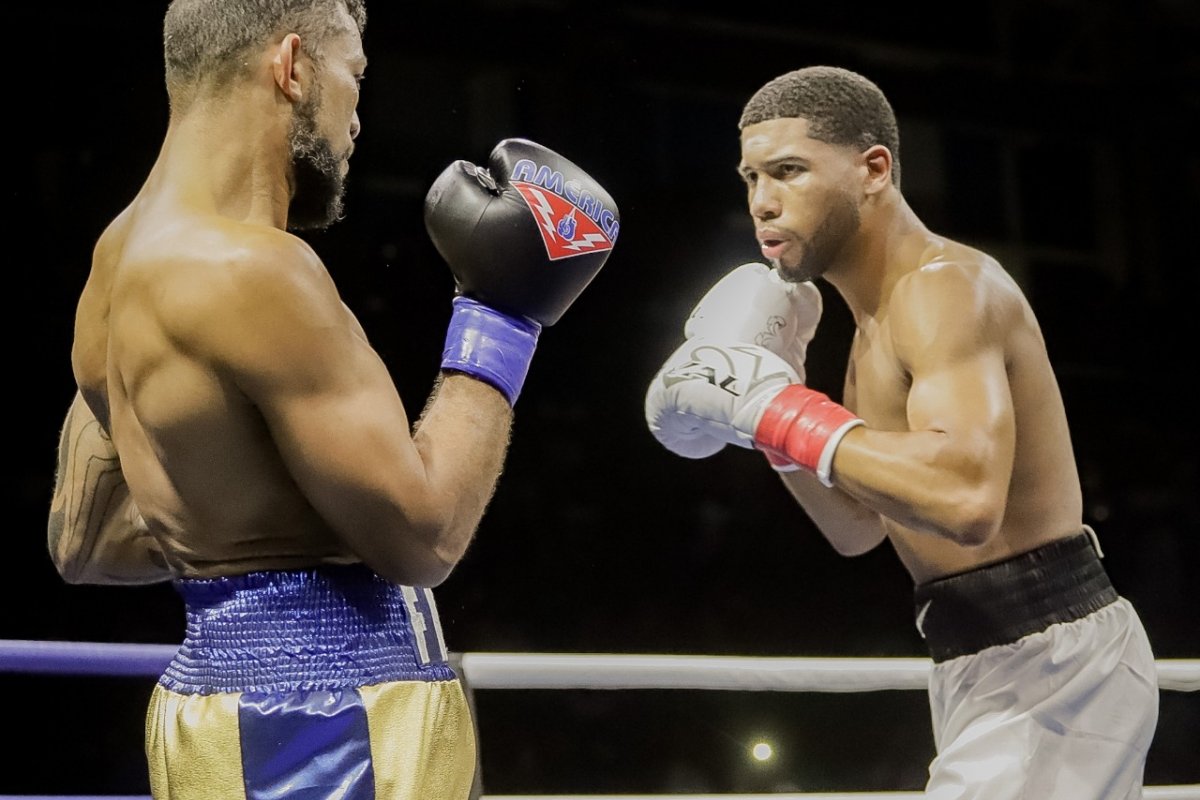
<point x="229" y="156"/>
<point x="889" y="245"/>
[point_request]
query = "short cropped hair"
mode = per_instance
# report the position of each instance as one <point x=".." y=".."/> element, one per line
<point x="205" y="42"/>
<point x="842" y="108"/>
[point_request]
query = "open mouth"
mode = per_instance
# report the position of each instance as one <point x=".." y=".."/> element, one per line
<point x="772" y="247"/>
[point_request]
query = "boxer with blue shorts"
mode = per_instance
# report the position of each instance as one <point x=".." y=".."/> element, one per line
<point x="235" y="432"/>
<point x="318" y="683"/>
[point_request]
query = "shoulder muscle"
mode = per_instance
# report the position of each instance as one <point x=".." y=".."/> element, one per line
<point x="947" y="311"/>
<point x="265" y="311"/>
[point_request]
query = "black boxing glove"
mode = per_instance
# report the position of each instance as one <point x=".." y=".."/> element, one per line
<point x="523" y="237"/>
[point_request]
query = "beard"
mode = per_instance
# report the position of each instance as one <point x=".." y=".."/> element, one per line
<point x="821" y="250"/>
<point x="317" y="180"/>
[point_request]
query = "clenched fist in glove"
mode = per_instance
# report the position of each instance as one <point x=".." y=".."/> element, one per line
<point x="523" y="236"/>
<point x="713" y="391"/>
<point x="709" y="394"/>
<point x="754" y="305"/>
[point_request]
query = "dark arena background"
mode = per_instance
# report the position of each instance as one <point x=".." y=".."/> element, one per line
<point x="1054" y="134"/>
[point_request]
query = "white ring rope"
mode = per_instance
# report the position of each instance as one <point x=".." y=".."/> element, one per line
<point x="1180" y="792"/>
<point x="776" y="674"/>
<point x="575" y="670"/>
<point x="595" y="671"/>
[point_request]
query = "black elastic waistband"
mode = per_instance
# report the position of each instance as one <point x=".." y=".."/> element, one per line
<point x="1003" y="602"/>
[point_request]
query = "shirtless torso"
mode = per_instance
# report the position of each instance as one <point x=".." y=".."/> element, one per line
<point x="926" y="337"/>
<point x="195" y="451"/>
<point x="950" y="441"/>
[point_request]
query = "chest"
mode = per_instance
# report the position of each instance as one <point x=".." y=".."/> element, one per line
<point x="877" y="384"/>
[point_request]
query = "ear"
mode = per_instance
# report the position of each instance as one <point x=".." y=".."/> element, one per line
<point x="878" y="161"/>
<point x="284" y="68"/>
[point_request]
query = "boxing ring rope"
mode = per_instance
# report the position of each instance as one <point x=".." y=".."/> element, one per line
<point x="597" y="671"/>
<point x="1151" y="793"/>
<point x="574" y="670"/>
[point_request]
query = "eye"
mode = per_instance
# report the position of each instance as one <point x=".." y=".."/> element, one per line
<point x="790" y="170"/>
<point x="750" y="177"/>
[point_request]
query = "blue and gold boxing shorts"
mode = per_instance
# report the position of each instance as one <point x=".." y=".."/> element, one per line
<point x="307" y="685"/>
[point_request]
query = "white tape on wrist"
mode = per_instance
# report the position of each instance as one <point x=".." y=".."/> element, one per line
<point x="825" y="462"/>
<point x="783" y="464"/>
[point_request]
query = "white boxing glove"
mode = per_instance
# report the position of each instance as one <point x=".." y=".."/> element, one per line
<point x="709" y="394"/>
<point x="753" y="304"/>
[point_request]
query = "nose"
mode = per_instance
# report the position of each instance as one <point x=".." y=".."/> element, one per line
<point x="764" y="201"/>
<point x="355" y="126"/>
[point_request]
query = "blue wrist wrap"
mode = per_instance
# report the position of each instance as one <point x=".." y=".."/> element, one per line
<point x="490" y="345"/>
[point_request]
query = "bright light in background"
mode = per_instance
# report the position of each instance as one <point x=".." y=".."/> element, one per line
<point x="762" y="751"/>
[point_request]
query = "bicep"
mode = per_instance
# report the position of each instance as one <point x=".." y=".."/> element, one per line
<point x="278" y="330"/>
<point x="338" y="424"/>
<point x="334" y="418"/>
<point x="960" y="390"/>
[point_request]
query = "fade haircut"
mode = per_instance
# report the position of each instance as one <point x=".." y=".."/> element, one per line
<point x="205" y="42"/>
<point x="842" y="108"/>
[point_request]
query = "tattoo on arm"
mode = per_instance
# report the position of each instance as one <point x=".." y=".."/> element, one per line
<point x="58" y="512"/>
<point x="94" y="531"/>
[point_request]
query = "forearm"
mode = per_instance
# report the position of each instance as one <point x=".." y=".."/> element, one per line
<point x="462" y="437"/>
<point x="922" y="481"/>
<point x="950" y="486"/>
<point x="850" y="526"/>
<point x="95" y="533"/>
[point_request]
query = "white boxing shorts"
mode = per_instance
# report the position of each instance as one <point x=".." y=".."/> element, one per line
<point x="1043" y="685"/>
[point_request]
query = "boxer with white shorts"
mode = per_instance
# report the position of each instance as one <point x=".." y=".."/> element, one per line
<point x="1043" y="683"/>
<point x="951" y="442"/>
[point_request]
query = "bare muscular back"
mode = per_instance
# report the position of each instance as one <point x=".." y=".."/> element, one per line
<point x="197" y="455"/>
<point x="1044" y="498"/>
